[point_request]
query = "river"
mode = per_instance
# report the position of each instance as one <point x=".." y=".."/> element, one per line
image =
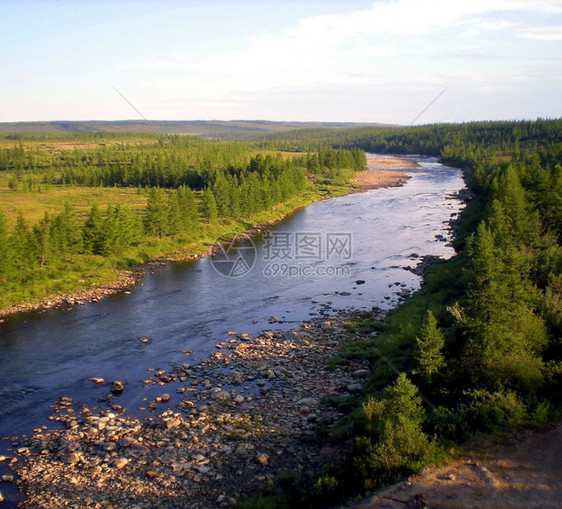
<point x="347" y="252"/>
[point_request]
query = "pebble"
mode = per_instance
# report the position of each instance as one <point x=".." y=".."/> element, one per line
<point x="196" y="452"/>
<point x="262" y="459"/>
<point x="117" y="387"/>
<point x="120" y="463"/>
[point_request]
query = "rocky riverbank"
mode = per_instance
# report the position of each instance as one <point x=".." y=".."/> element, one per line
<point x="215" y="432"/>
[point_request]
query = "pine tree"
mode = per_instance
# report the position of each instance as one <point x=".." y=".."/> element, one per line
<point x="94" y="233"/>
<point x="504" y="336"/>
<point x="188" y="210"/>
<point x="209" y="205"/>
<point x="173" y="213"/>
<point x="155" y="219"/>
<point x="66" y="235"/>
<point x="22" y="244"/>
<point x="430" y="341"/>
<point x="41" y="233"/>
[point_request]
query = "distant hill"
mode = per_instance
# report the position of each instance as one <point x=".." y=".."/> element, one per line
<point x="210" y="128"/>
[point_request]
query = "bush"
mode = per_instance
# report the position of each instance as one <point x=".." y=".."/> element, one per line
<point x="391" y="443"/>
<point x="487" y="411"/>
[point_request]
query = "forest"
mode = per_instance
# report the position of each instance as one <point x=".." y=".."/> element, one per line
<point x="175" y="193"/>
<point x="477" y="349"/>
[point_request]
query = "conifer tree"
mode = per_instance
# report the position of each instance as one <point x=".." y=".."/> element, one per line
<point x="65" y="233"/>
<point x="188" y="210"/>
<point x="173" y="215"/>
<point x="430" y="341"/>
<point x="93" y="232"/>
<point x="41" y="233"/>
<point x="155" y="219"/>
<point x="209" y="205"/>
<point x="22" y="245"/>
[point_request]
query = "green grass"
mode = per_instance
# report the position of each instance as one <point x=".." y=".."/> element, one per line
<point x="34" y="204"/>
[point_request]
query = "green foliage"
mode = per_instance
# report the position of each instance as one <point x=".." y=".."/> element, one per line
<point x="484" y="410"/>
<point x="210" y="210"/>
<point x="504" y="336"/>
<point x="390" y="442"/>
<point x="430" y="342"/>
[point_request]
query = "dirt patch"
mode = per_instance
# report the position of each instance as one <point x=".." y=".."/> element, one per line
<point x="515" y="471"/>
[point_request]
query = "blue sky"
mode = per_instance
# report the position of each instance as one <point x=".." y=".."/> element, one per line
<point x="353" y="60"/>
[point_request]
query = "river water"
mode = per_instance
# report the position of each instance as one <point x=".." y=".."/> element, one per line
<point x="348" y="252"/>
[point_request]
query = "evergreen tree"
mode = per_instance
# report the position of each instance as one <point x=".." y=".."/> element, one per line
<point x="188" y="210"/>
<point x="66" y="234"/>
<point x="155" y="216"/>
<point x="41" y="233"/>
<point x="173" y="215"/>
<point x="504" y="336"/>
<point x="22" y="244"/>
<point x="392" y="442"/>
<point x="430" y="341"/>
<point x="209" y="205"/>
<point x="94" y="233"/>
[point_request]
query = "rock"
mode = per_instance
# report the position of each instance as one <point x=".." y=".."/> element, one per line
<point x="109" y="447"/>
<point x="1" y="497"/>
<point x="308" y="402"/>
<point x="140" y="447"/>
<point x="170" y="422"/>
<point x="117" y="387"/>
<point x="97" y="380"/>
<point x="222" y="396"/>
<point x="7" y="478"/>
<point x="360" y="373"/>
<point x="127" y="441"/>
<point x="345" y="294"/>
<point x="262" y="459"/>
<point x="165" y="398"/>
<point x="120" y="463"/>
<point x="360" y="282"/>
<point x="354" y="387"/>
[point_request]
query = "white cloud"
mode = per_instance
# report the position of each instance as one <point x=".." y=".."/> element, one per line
<point x="541" y="33"/>
<point x="418" y="46"/>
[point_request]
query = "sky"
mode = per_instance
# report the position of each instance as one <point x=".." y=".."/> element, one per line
<point x="390" y="61"/>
